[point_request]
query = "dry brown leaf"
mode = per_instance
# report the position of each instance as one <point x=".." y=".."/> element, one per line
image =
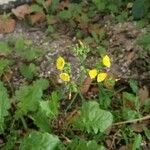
<point x="7" y="76"/>
<point x="138" y="127"/>
<point x="21" y="11"/>
<point x="37" y="18"/>
<point x="143" y="94"/>
<point x="86" y="85"/>
<point x="47" y="3"/>
<point x="7" y="25"/>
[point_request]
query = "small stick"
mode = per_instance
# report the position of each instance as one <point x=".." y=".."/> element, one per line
<point x="132" y="121"/>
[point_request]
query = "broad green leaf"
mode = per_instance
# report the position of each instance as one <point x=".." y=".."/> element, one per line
<point x="28" y="97"/>
<point x="4" y="63"/>
<point x="137" y="142"/>
<point x="41" y="121"/>
<point x="39" y="141"/>
<point x="4" y="105"/>
<point x="80" y="144"/>
<point x="51" y="107"/>
<point x="28" y="71"/>
<point x="93" y="119"/>
<point x="4" y="49"/>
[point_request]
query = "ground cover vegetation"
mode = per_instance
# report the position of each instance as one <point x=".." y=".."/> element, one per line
<point x="94" y="110"/>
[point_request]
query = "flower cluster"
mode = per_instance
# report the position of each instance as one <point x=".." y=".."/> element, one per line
<point x="102" y="75"/>
<point x="60" y="64"/>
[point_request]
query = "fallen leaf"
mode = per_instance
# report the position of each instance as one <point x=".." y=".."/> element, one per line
<point x="7" y="25"/>
<point x="7" y="76"/>
<point x="21" y="11"/>
<point x="139" y="127"/>
<point x="47" y="3"/>
<point x="37" y="18"/>
<point x="86" y="85"/>
<point x="143" y="94"/>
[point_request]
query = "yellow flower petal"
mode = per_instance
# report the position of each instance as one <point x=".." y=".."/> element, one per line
<point x="106" y="61"/>
<point x="60" y="63"/>
<point x="101" y="77"/>
<point x="64" y="77"/>
<point x="93" y="73"/>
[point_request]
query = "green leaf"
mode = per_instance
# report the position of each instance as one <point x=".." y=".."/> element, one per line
<point x="133" y="85"/>
<point x="19" y="45"/>
<point x="65" y="15"/>
<point x="129" y="114"/>
<point x="132" y="98"/>
<point x="80" y="144"/>
<point x="144" y="41"/>
<point x="51" y="107"/>
<point x="100" y="4"/>
<point x="39" y="141"/>
<point x="147" y="133"/>
<point x="28" y="97"/>
<point x="41" y="121"/>
<point x="137" y="142"/>
<point x="36" y="8"/>
<point x="4" y="105"/>
<point x="4" y="63"/>
<point x="4" y="49"/>
<point x="93" y="119"/>
<point x="28" y="71"/>
<point x="140" y="8"/>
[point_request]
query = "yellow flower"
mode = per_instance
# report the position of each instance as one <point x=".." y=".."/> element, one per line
<point x="101" y="77"/>
<point x="106" y="61"/>
<point x="60" y="63"/>
<point x="64" y="77"/>
<point x="92" y="73"/>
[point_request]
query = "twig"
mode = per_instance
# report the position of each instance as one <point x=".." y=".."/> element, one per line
<point x="132" y="121"/>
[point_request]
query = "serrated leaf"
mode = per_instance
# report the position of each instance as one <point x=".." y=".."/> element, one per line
<point x="28" y="71"/>
<point x="93" y="119"/>
<point x="80" y="144"/>
<point x="41" y="121"/>
<point x="51" y="107"/>
<point x="4" y="105"/>
<point x="40" y="141"/>
<point x="28" y="97"/>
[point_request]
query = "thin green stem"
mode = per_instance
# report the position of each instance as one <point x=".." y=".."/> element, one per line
<point x="72" y="101"/>
<point x="24" y="123"/>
